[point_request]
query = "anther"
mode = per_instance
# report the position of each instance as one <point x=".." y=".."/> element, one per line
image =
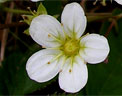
<point x="43" y="47"/>
<point x="61" y="24"/>
<point x="49" y="35"/>
<point x="31" y="11"/>
<point x="28" y="8"/>
<point x="70" y="70"/>
<point x="34" y="11"/>
<point x="94" y="3"/>
<point x="60" y="70"/>
<point x="48" y="62"/>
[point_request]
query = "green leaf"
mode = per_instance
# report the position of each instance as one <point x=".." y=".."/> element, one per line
<point x="41" y="9"/>
<point x="3" y="89"/>
<point x="15" y="78"/>
<point x="116" y="11"/>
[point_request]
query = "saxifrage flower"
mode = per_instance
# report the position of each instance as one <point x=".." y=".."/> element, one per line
<point x="66" y="52"/>
<point x="36" y="0"/>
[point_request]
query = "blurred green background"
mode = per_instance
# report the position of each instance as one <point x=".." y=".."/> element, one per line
<point x="16" y="47"/>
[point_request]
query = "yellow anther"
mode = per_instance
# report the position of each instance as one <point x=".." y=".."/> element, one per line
<point x="70" y="70"/>
<point x="49" y="35"/>
<point x="61" y="24"/>
<point x="43" y="47"/>
<point x="60" y="70"/>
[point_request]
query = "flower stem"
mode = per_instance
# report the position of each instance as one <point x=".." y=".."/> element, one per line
<point x="16" y="11"/>
<point x="100" y="16"/>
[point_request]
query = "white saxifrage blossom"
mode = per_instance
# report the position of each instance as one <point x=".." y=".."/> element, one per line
<point x="119" y="1"/>
<point x="36" y="0"/>
<point x="66" y="52"/>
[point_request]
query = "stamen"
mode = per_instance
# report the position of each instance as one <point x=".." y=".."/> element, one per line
<point x="61" y="24"/>
<point x="43" y="47"/>
<point x="48" y="62"/>
<point x="56" y="57"/>
<point x="94" y="3"/>
<point x="60" y="70"/>
<point x="64" y="31"/>
<point x="72" y="59"/>
<point x="55" y="48"/>
<point x="70" y="70"/>
<point x="31" y="11"/>
<point x="34" y="11"/>
<point x="64" y="62"/>
<point x="50" y="35"/>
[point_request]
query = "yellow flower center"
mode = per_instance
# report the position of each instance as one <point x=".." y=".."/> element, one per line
<point x="71" y="47"/>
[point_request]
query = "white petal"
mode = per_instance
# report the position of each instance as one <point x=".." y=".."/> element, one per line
<point x="96" y="50"/>
<point x="43" y="28"/>
<point x="39" y="66"/>
<point x="74" y="20"/>
<point x="36" y="0"/>
<point x="119" y="1"/>
<point x="73" y="78"/>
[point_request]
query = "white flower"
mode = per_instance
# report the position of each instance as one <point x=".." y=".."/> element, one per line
<point x="119" y="1"/>
<point x="66" y="51"/>
<point x="36" y="0"/>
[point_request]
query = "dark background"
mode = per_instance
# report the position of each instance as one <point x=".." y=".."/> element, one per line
<point x="104" y="78"/>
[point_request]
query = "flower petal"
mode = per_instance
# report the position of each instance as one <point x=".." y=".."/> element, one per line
<point x="119" y="1"/>
<point x="96" y="48"/>
<point x="39" y="66"/>
<point x="73" y="78"/>
<point x="74" y="20"/>
<point x="46" y="31"/>
<point x="36" y="0"/>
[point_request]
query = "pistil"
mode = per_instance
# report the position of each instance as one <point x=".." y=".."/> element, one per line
<point x="71" y="47"/>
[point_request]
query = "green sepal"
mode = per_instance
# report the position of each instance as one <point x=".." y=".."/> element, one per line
<point x="27" y="32"/>
<point x="41" y="9"/>
<point x="28" y="18"/>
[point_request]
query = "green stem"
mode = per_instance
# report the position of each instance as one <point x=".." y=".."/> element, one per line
<point x="100" y="16"/>
<point x="95" y="18"/>
<point x="90" y="16"/>
<point x="16" y="11"/>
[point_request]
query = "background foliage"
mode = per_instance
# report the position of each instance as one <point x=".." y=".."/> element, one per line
<point x="104" y="78"/>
